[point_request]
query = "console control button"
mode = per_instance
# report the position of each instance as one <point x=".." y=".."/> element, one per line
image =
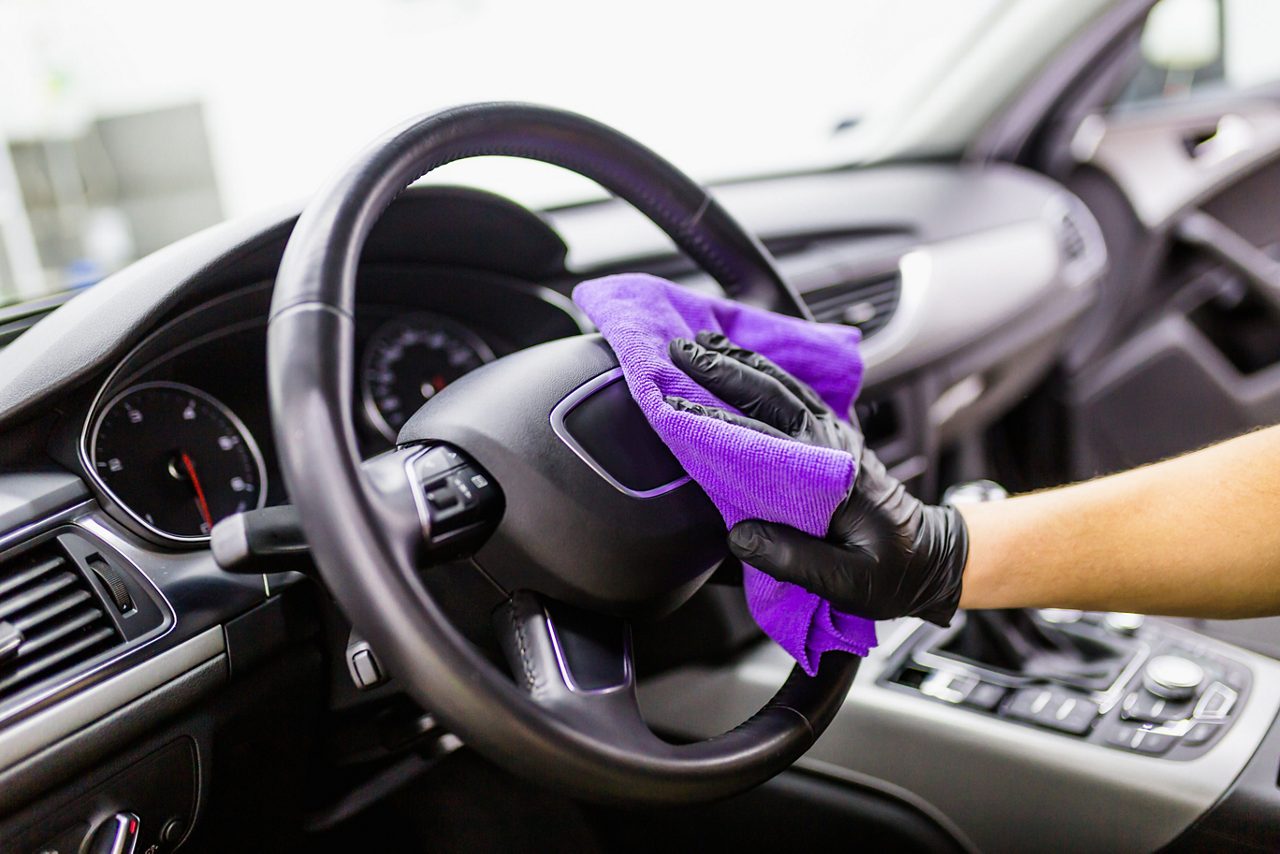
<point x="1216" y="702"/>
<point x="1201" y="733"/>
<point x="1172" y="677"/>
<point x="1122" y="623"/>
<point x="948" y="687"/>
<point x="985" y="696"/>
<point x="1140" y="738"/>
<point x="1061" y="616"/>
<point x="1236" y="675"/>
<point x="1145" y="706"/>
<point x="1055" y="709"/>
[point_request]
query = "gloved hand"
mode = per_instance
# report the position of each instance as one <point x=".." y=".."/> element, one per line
<point x="886" y="554"/>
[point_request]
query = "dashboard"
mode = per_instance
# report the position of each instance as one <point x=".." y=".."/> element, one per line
<point x="179" y="435"/>
<point x="136" y="416"/>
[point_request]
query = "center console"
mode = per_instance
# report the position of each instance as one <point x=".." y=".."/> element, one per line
<point x="1111" y="679"/>
<point x="1017" y="730"/>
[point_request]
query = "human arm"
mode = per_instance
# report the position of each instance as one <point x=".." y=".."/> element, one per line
<point x="1198" y="535"/>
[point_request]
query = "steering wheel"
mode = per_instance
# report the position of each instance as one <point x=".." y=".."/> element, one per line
<point x="541" y="470"/>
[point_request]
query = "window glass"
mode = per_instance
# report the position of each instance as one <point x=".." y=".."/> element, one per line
<point x="1193" y="48"/>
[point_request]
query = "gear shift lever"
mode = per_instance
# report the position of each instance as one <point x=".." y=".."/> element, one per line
<point x="1021" y="644"/>
<point x="1018" y="643"/>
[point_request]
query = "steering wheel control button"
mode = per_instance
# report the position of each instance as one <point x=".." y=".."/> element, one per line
<point x="1122" y="623"/>
<point x="1145" y="706"/>
<point x="443" y="498"/>
<point x="437" y="461"/>
<point x="459" y="502"/>
<point x="1172" y="677"/>
<point x="1053" y="708"/>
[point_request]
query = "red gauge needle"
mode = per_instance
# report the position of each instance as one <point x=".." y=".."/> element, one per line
<point x="195" y="481"/>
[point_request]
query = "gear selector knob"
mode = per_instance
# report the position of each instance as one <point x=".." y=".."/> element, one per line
<point x="1172" y="677"/>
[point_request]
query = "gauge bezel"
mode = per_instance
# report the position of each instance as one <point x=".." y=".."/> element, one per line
<point x="373" y="415"/>
<point x="89" y="451"/>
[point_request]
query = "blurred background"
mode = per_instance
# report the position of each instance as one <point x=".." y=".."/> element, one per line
<point x="127" y="125"/>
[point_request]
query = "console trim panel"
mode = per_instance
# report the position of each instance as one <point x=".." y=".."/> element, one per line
<point x="1088" y="795"/>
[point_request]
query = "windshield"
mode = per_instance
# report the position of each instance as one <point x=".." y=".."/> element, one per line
<point x="127" y="125"/>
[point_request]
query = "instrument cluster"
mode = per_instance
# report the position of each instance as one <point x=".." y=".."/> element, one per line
<point x="180" y="435"/>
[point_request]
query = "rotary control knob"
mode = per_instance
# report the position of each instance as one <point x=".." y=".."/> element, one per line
<point x="1172" y="677"/>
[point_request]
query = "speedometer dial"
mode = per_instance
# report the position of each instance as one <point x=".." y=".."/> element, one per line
<point x="176" y="459"/>
<point x="408" y="360"/>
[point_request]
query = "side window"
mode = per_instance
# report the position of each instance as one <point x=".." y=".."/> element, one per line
<point x="1201" y="47"/>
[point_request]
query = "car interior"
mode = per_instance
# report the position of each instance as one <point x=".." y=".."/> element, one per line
<point x="436" y="585"/>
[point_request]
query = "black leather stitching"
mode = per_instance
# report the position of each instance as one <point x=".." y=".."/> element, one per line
<point x="522" y="647"/>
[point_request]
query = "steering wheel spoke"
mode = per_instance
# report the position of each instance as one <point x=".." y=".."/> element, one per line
<point x="574" y="663"/>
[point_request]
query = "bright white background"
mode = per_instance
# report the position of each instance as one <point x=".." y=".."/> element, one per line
<point x="292" y="87"/>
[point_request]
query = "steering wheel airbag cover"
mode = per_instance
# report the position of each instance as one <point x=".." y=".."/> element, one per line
<point x="567" y="531"/>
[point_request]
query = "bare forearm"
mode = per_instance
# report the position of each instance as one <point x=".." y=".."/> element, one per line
<point x="1195" y="536"/>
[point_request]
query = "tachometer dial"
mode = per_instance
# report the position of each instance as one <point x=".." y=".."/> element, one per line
<point x="176" y="459"/>
<point x="410" y="359"/>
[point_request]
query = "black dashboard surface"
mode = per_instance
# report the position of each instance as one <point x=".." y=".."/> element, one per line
<point x="974" y="278"/>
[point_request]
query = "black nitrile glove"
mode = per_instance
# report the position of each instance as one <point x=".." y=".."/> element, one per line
<point x="886" y="554"/>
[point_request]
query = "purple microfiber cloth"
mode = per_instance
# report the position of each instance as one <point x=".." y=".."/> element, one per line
<point x="747" y="474"/>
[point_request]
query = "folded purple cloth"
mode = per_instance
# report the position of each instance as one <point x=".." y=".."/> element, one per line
<point x="747" y="474"/>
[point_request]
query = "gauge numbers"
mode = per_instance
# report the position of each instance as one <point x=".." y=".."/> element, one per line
<point x="176" y="459"/>
<point x="408" y="360"/>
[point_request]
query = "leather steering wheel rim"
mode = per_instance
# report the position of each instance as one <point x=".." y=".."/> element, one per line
<point x="363" y="541"/>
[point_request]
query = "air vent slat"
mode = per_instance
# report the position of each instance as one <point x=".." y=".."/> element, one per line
<point x="18" y="579"/>
<point x="32" y="595"/>
<point x="26" y="672"/>
<point x="865" y="303"/>
<point x="59" y="615"/>
<point x="54" y="609"/>
<point x="33" y="643"/>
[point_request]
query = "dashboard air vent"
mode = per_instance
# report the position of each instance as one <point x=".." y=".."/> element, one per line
<point x="51" y="618"/>
<point x="865" y="303"/>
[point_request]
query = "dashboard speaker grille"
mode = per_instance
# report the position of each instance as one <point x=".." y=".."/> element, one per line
<point x="865" y="303"/>
<point x="51" y="618"/>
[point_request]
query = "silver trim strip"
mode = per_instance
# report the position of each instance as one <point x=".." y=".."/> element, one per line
<point x="628" y="677"/>
<point x="562" y="410"/>
<point x="418" y="492"/>
<point x="30" y="736"/>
